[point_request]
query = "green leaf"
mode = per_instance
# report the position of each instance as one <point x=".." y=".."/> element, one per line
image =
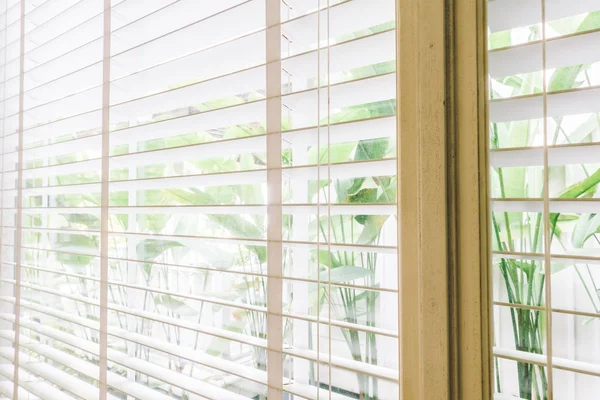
<point x="500" y="39"/>
<point x="327" y="258"/>
<point x="169" y="302"/>
<point x="346" y="273"/>
<point x="372" y="228"/>
<point x="346" y="187"/>
<point x="154" y="223"/>
<point x="583" y="130"/>
<point x="568" y="217"/>
<point x="235" y="224"/>
<point x="564" y="78"/>
<point x="591" y="21"/>
<point x="334" y="153"/>
<point x="574" y="191"/>
<point x="586" y="226"/>
<point x="363" y="196"/>
<point x="151" y="249"/>
<point x="373" y="149"/>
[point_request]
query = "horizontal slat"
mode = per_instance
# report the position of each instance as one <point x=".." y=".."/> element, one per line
<point x="207" y="360"/>
<point x="346" y="209"/>
<point x="41" y="388"/>
<point x="58" y="293"/>
<point x="501" y="205"/>
<point x="73" y="34"/>
<point x="345" y="132"/>
<point x="345" y="325"/>
<point x="332" y="134"/>
<point x="334" y="172"/>
<point x="47" y="13"/>
<point x="508" y="14"/>
<point x="344" y="18"/>
<point x="293" y="9"/>
<point x="576" y="206"/>
<point x="362" y="169"/>
<point x="70" y="95"/>
<point x="234" y="55"/>
<point x="532" y="205"/>
<point x="118" y="382"/>
<point x="252" y="112"/>
<point x="182" y="381"/>
<point x="236" y="270"/>
<point x="53" y="375"/>
<point x="185" y="353"/>
<point x="340" y="362"/>
<point x="90" y="143"/>
<point x="215" y="331"/>
<point x="516" y="158"/>
<point x="303" y="105"/>
<point x="62" y="380"/>
<point x="499" y="396"/>
<point x="224" y="148"/>
<point x="7" y="387"/>
<point x="573" y="102"/>
<point x="540" y="359"/>
<point x="90" y="122"/>
<point x="13" y="7"/>
<point x="63" y="231"/>
<point x="336" y="323"/>
<point x="239" y="209"/>
<point x="156" y="39"/>
<point x="201" y="328"/>
<point x="585" y="258"/>
<point x="125" y="12"/>
<point x="58" y="272"/>
<point x="224" y="179"/>
<point x="74" y="250"/>
<point x="563" y="52"/>
<point x="301" y="70"/>
<point x="11" y="74"/>
<point x="204" y="299"/>
<point x="348" y="364"/>
<point x="225" y="87"/>
<point x="79" y="25"/>
<point x="205" y="329"/>
<point x="60" y="22"/>
<point x="577" y="154"/>
<point x="310" y="392"/>
<point x="80" y="167"/>
<point x="557" y="156"/>
<point x="62" y="65"/>
<point x="577" y="259"/>
<point x="65" y="189"/>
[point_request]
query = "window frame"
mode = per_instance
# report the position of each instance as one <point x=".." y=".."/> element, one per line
<point x="443" y="200"/>
<point x="468" y="209"/>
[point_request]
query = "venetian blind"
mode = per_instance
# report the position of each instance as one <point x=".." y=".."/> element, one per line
<point x="544" y="137"/>
<point x="198" y="199"/>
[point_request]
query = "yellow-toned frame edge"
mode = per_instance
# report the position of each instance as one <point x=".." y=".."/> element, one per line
<point x="470" y="301"/>
<point x="445" y="328"/>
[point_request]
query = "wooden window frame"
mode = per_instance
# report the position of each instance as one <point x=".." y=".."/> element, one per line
<point x="445" y="307"/>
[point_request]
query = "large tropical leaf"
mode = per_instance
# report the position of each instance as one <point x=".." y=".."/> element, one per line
<point x="371" y="228"/>
<point x="346" y="273"/>
<point x="175" y="305"/>
<point x="587" y="225"/>
<point x="151" y="249"/>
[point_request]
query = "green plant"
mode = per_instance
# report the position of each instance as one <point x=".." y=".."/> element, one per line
<point x="525" y="280"/>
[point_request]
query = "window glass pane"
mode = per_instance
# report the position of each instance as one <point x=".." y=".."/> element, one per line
<point x="543" y="135"/>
